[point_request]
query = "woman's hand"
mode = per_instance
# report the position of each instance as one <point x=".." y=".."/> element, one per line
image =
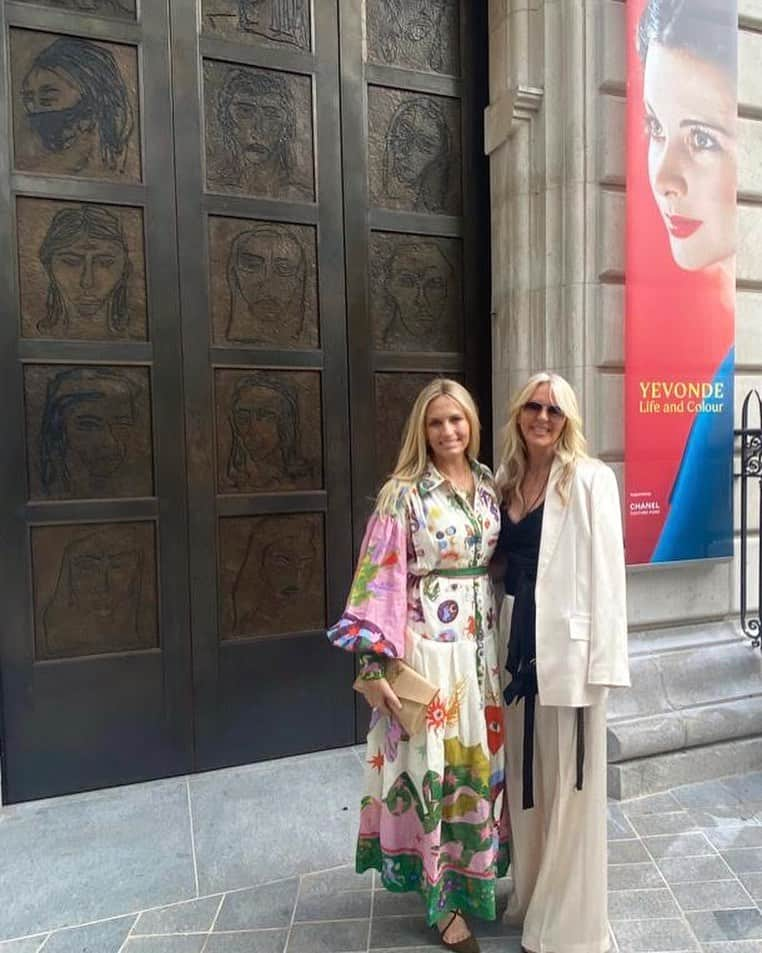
<point x="378" y="694"/>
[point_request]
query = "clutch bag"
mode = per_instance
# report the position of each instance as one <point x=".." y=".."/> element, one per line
<point x="414" y="692"/>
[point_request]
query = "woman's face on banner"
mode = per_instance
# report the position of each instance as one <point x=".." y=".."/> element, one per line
<point x="690" y="107"/>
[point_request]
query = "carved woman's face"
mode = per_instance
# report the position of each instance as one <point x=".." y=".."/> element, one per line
<point x="54" y="108"/>
<point x="415" y="142"/>
<point x="269" y="274"/>
<point x="256" y="414"/>
<point x="102" y="575"/>
<point x="87" y="273"/>
<point x="261" y="122"/>
<point x="419" y="285"/>
<point x="287" y="565"/>
<point x="420" y="19"/>
<point x="98" y="432"/>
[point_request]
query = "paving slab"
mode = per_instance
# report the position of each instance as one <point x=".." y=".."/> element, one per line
<point x="418" y="949"/>
<point x="687" y="870"/>
<point x="388" y="904"/>
<point x="260" y="941"/>
<point x="753" y="883"/>
<point x="29" y="945"/>
<point x="725" y="838"/>
<point x="706" y="794"/>
<point x="634" y="876"/>
<point x="740" y="814"/>
<point x="400" y="932"/>
<point x="627" y="852"/>
<point x="502" y="945"/>
<point x="105" y="937"/>
<point x="347" y="905"/>
<point x="190" y="943"/>
<point x="747" y="787"/>
<point x="677" y="845"/>
<point x="653" y="936"/>
<point x="677" y="822"/>
<point x="338" y="880"/>
<point x="618" y="825"/>
<point x="642" y="904"/>
<point x="243" y="836"/>
<point x="269" y="906"/>
<point x="727" y="924"/>
<point x="68" y="861"/>
<point x="745" y="860"/>
<point x="191" y="916"/>
<point x="717" y="895"/>
<point x="662" y="803"/>
<point x="345" y="936"/>
<point x="741" y="946"/>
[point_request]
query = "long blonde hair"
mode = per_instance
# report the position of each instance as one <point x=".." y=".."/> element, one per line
<point x="414" y="452"/>
<point x="570" y="448"/>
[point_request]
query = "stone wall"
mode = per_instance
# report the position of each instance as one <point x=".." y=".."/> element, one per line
<point x="555" y="133"/>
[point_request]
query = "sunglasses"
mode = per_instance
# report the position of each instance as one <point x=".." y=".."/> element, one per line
<point x="535" y="407"/>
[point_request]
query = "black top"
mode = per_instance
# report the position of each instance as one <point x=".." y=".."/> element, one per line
<point x="519" y="544"/>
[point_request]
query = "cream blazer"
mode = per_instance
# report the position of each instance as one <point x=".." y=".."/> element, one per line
<point x="580" y="591"/>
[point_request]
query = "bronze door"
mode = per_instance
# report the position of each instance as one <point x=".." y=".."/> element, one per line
<point x="417" y="217"/>
<point x="223" y="299"/>
<point x="94" y="649"/>
<point x="258" y="145"/>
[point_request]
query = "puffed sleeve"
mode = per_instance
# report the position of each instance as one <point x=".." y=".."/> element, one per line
<point x="609" y="661"/>
<point x="373" y="623"/>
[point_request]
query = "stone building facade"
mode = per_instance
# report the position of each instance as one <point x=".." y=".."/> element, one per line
<point x="555" y="135"/>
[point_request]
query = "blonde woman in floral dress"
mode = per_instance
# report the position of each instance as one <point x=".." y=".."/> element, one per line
<point x="432" y="816"/>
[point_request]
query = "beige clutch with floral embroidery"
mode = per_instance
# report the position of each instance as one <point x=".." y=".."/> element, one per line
<point x="413" y="690"/>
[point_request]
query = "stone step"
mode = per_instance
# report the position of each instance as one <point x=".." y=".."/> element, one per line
<point x="699" y="674"/>
<point x="694" y="711"/>
<point x="660" y="772"/>
<point x="722" y="720"/>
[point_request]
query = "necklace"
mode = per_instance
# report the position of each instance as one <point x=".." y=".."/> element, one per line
<point x="464" y="489"/>
<point x="527" y="508"/>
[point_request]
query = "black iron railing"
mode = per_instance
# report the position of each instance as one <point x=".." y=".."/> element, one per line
<point x="751" y="469"/>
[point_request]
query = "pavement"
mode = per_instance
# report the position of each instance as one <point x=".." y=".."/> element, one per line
<point x="258" y="859"/>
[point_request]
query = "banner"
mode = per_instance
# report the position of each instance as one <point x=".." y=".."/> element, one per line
<point x="682" y="150"/>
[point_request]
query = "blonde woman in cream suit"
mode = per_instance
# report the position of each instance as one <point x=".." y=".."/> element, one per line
<point x="564" y="640"/>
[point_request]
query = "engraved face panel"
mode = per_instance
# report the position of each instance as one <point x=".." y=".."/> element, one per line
<point x="272" y="572"/>
<point x="394" y="398"/>
<point x="258" y="132"/>
<point x="81" y="271"/>
<point x="88" y="431"/>
<point x="94" y="589"/>
<point x="268" y="431"/>
<point x="415" y="293"/>
<point x="75" y="106"/>
<point x="414" y="151"/>
<point x="263" y="283"/>
<point x="273" y="22"/>
<point x="123" y="9"/>
<point x="414" y="34"/>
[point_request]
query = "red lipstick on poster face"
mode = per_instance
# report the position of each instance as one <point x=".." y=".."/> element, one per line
<point x="681" y="227"/>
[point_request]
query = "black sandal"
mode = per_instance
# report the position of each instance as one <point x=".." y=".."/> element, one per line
<point x="468" y="945"/>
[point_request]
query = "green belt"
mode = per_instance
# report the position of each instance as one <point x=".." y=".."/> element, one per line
<point x="457" y="573"/>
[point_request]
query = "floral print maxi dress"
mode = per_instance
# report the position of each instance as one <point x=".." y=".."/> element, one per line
<point x="431" y="818"/>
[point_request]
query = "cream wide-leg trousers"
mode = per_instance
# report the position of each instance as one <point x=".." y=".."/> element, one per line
<point x="558" y="847"/>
